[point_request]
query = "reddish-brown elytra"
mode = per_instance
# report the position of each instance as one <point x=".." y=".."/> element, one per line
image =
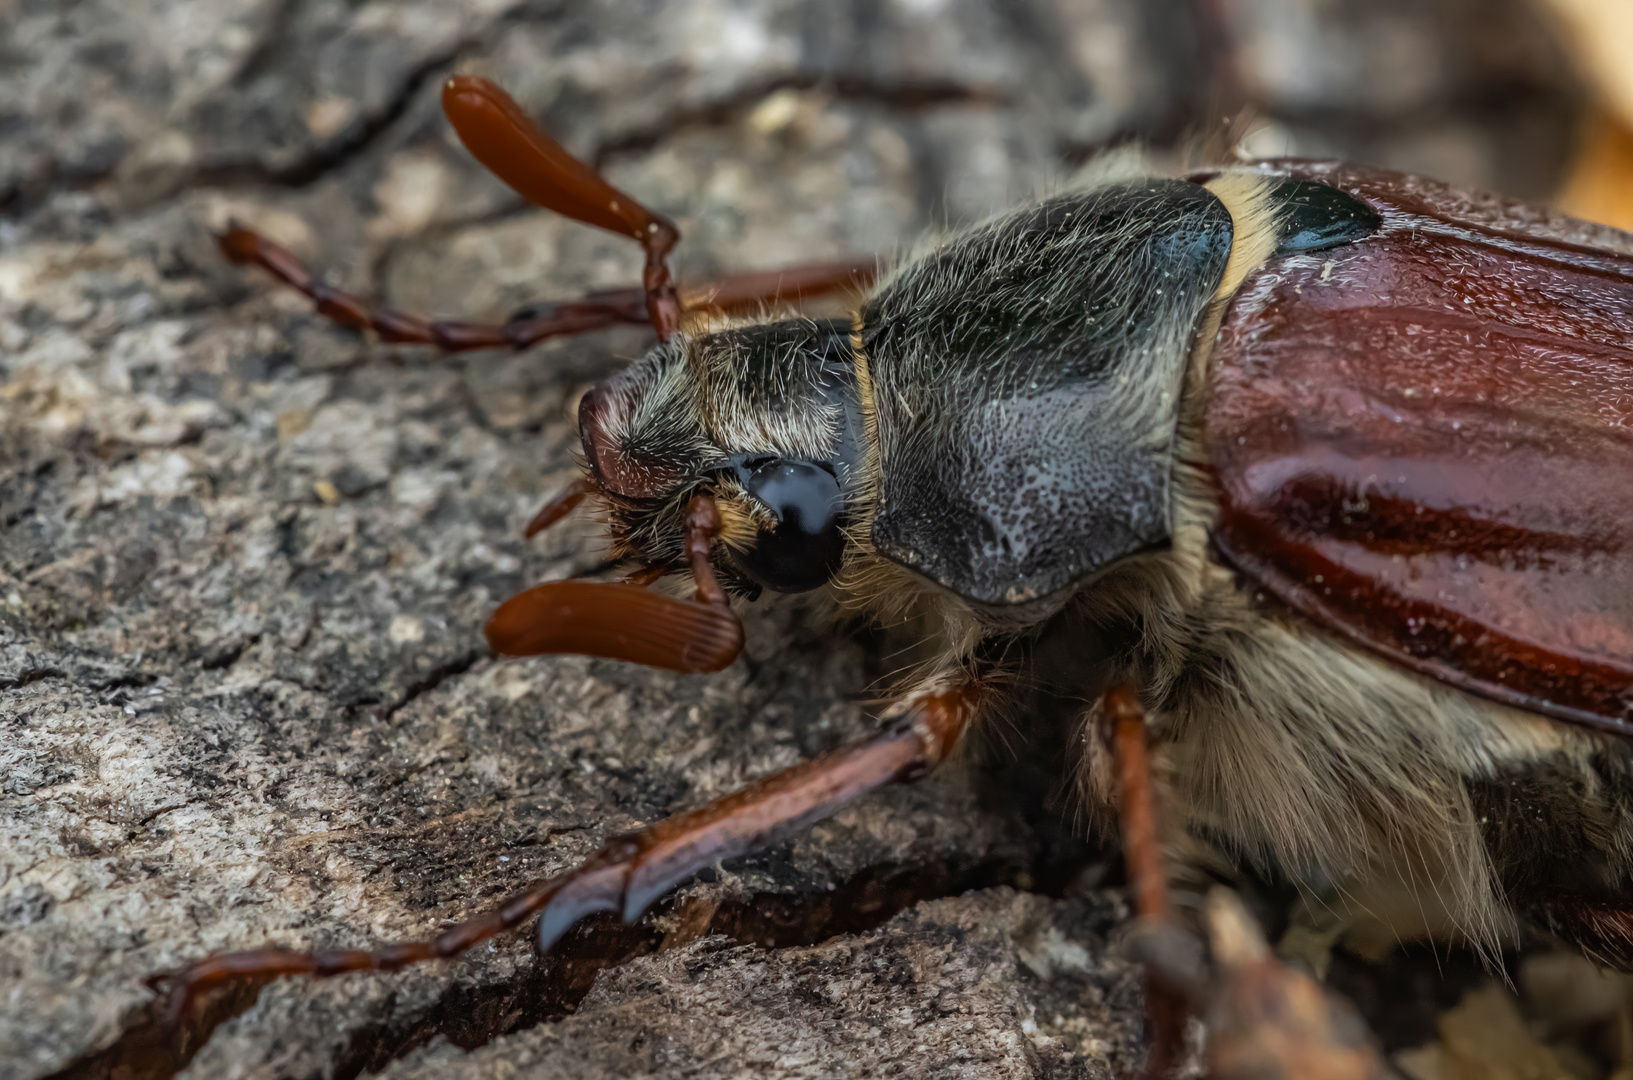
<point x="1418" y="459"/>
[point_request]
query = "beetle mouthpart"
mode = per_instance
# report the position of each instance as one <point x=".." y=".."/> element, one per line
<point x="619" y="622"/>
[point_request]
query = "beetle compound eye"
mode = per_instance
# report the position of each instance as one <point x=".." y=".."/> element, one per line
<point x="804" y="549"/>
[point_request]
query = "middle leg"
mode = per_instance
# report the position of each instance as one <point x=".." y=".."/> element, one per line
<point x="1265" y="1020"/>
<point x="1165" y="1004"/>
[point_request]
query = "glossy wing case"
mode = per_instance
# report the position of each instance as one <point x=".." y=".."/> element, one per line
<point x="1423" y="441"/>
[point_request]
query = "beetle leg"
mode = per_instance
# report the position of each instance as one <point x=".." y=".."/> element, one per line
<point x="563" y="503"/>
<point x="646" y="575"/>
<point x="1166" y="1010"/>
<point x="247" y="247"/>
<point x="501" y="136"/>
<point x="1602" y="931"/>
<point x="1142" y="849"/>
<point x="632" y="871"/>
<point x="730" y="293"/>
<point x="1265" y="1020"/>
<point x="538" y="322"/>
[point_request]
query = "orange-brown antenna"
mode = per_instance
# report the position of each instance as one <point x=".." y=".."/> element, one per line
<point x="499" y="135"/>
<point x="626" y="621"/>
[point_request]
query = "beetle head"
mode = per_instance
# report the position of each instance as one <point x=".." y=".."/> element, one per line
<point x="763" y="418"/>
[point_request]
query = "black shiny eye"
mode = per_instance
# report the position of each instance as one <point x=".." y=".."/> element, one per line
<point x="803" y="551"/>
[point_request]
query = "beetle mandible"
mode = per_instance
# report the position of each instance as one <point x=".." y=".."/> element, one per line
<point x="1335" y="461"/>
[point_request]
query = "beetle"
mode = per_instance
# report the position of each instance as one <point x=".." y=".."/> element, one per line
<point x="1333" y="464"/>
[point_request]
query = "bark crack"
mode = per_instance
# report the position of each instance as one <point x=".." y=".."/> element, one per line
<point x="472" y="1015"/>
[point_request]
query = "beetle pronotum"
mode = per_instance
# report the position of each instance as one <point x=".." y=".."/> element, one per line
<point x="1340" y="461"/>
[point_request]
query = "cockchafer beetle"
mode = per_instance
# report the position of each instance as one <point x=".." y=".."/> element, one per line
<point x="1336" y="463"/>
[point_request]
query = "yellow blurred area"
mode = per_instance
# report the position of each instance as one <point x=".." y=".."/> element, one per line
<point x="1599" y="36"/>
<point x="1599" y="186"/>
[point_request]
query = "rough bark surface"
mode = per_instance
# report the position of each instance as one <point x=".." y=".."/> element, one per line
<point x="246" y="557"/>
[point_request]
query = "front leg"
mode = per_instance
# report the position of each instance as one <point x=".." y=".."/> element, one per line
<point x="632" y="871"/>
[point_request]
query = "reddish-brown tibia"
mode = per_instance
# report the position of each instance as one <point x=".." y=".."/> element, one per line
<point x="499" y="134"/>
<point x="1142" y="852"/>
<point x="626" y="621"/>
<point x="630" y="872"/>
<point x="1267" y="1021"/>
<point x="565" y="502"/>
<point x="594" y="311"/>
<point x="1141" y="848"/>
<point x="247" y="247"/>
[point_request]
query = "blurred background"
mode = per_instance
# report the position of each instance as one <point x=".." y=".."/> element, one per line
<point x="773" y="132"/>
<point x="910" y="113"/>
